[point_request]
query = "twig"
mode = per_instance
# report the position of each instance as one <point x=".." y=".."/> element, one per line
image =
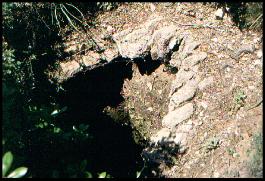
<point x="41" y="18"/>
<point x="256" y="20"/>
<point x="255" y="105"/>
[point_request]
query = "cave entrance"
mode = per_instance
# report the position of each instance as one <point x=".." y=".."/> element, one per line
<point x="113" y="148"/>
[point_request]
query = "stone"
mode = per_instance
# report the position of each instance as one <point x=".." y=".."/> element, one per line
<point x="149" y="85"/>
<point x="215" y="40"/>
<point x="185" y="128"/>
<point x="180" y="138"/>
<point x="161" y="136"/>
<point x="138" y="42"/>
<point x="259" y="53"/>
<point x="194" y="59"/>
<point x="182" y="149"/>
<point x="152" y="7"/>
<point x="216" y="175"/>
<point x="258" y="62"/>
<point x="69" y="68"/>
<point x="110" y="54"/>
<point x="185" y="93"/>
<point x="204" y="104"/>
<point x="205" y="83"/>
<point x="175" y="61"/>
<point x="181" y="77"/>
<point x="110" y="29"/>
<point x="150" y="109"/>
<point x="90" y="59"/>
<point x="188" y="46"/>
<point x="162" y="42"/>
<point x="177" y="116"/>
<point x="219" y="14"/>
<point x="199" y="123"/>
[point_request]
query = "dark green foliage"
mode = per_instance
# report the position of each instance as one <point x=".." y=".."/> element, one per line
<point x="7" y="164"/>
<point x="42" y="131"/>
<point x="245" y="14"/>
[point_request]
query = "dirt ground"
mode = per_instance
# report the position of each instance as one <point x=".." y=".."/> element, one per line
<point x="222" y="111"/>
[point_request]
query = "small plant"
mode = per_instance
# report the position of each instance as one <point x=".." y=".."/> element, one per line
<point x="239" y="100"/>
<point x="212" y="144"/>
<point x="106" y="5"/>
<point x="231" y="151"/>
<point x="240" y="97"/>
<point x="6" y="165"/>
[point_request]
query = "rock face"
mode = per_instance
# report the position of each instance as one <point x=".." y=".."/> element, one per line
<point x="181" y="78"/>
<point x="184" y="94"/>
<point x="162" y="135"/>
<point x="194" y="59"/>
<point x="177" y="125"/>
<point x="175" y="117"/>
<point x="150" y="37"/>
<point x="205" y="83"/>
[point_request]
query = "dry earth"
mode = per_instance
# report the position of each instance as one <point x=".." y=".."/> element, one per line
<point x="230" y="86"/>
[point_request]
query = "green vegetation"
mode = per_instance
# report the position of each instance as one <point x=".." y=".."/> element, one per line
<point x="246" y="15"/>
<point x="212" y="144"/>
<point x="7" y="164"/>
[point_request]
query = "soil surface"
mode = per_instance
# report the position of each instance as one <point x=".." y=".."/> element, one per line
<point x="225" y="108"/>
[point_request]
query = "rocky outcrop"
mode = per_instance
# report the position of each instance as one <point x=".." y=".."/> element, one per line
<point x="177" y="124"/>
<point x="151" y="38"/>
<point x="175" y="117"/>
<point x="157" y="39"/>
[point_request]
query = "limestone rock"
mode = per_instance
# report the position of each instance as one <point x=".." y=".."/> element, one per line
<point x="161" y="136"/>
<point x="259" y="54"/>
<point x="188" y="46"/>
<point x="91" y="59"/>
<point x="180" y="138"/>
<point x="162" y="42"/>
<point x="175" y="117"/>
<point x="185" y="128"/>
<point x="152" y="7"/>
<point x="147" y="38"/>
<point x="69" y="68"/>
<point x="134" y="43"/>
<point x="181" y="77"/>
<point x="205" y="82"/>
<point x="219" y="14"/>
<point x="194" y="59"/>
<point x="185" y="93"/>
<point x="110" y="54"/>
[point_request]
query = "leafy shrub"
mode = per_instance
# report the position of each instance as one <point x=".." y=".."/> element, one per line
<point x="6" y="165"/>
<point x="106" y="6"/>
<point x="245" y="14"/>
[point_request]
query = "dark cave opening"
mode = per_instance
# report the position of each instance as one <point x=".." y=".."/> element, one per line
<point x="112" y="147"/>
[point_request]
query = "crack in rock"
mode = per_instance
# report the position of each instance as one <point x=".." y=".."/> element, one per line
<point x="181" y="78"/>
<point x="185" y="93"/>
<point x="194" y="59"/>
